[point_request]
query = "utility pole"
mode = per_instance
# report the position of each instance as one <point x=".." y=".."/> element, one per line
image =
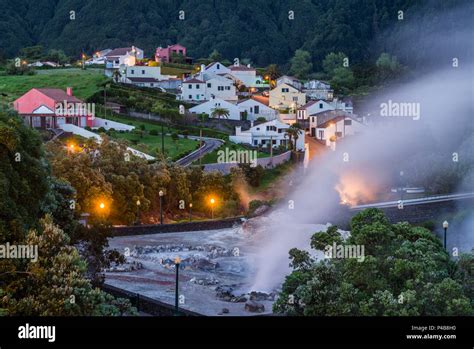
<point x="271" y="151"/>
<point x="162" y="140"/>
<point x="200" y="145"/>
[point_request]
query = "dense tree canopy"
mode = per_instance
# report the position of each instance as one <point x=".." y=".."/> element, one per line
<point x="405" y="272"/>
<point x="263" y="31"/>
<point x="54" y="284"/>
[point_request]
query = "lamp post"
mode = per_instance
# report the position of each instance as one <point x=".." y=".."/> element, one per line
<point x="138" y="212"/>
<point x="177" y="262"/>
<point x="212" y="202"/>
<point x="162" y="141"/>
<point x="445" y="227"/>
<point x="190" y="212"/>
<point x="161" y="205"/>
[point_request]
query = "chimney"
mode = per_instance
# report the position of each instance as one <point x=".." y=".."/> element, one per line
<point x="238" y="130"/>
<point x="251" y="123"/>
<point x="69" y="91"/>
<point x="203" y="67"/>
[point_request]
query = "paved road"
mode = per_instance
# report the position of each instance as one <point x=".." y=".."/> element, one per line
<point x="209" y="145"/>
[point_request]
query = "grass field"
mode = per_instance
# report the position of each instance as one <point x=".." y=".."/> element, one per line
<point x="152" y="143"/>
<point x="83" y="82"/>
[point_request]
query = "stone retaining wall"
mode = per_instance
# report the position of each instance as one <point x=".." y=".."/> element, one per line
<point x="176" y="227"/>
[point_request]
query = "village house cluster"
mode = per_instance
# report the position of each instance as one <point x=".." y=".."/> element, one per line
<point x="271" y="106"/>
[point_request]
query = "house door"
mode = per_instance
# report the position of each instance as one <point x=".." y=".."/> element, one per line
<point x="313" y="132"/>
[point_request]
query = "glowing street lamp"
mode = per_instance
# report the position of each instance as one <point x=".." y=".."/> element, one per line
<point x="102" y="205"/>
<point x="445" y="227"/>
<point x="190" y="212"/>
<point x="138" y="211"/>
<point x="212" y="202"/>
<point x="161" y="194"/>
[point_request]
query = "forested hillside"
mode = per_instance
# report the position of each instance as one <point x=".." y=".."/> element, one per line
<point x="259" y="30"/>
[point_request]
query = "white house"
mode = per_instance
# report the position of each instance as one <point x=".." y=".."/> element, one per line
<point x="144" y="76"/>
<point x="197" y="90"/>
<point x="342" y="105"/>
<point x="270" y="132"/>
<point x="220" y="87"/>
<point x="256" y="109"/>
<point x="286" y="96"/>
<point x="245" y="75"/>
<point x="285" y="79"/>
<point x="313" y="107"/>
<point x="193" y="90"/>
<point x="316" y="89"/>
<point x="215" y="68"/>
<point x="124" y="56"/>
<point x="208" y="106"/>
<point x="332" y="125"/>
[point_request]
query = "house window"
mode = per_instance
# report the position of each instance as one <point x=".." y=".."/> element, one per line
<point x="264" y="141"/>
<point x="190" y="86"/>
<point x="255" y="142"/>
<point x="197" y="86"/>
<point x="258" y="128"/>
<point x="295" y="99"/>
<point x="320" y="105"/>
<point x="257" y="109"/>
<point x="220" y="88"/>
<point x="209" y="85"/>
<point x="151" y="85"/>
<point x="321" y="134"/>
<point x="280" y="130"/>
<point x="190" y="97"/>
<point x="218" y="66"/>
<point x="133" y="71"/>
<point x="338" y="134"/>
<point x="348" y="122"/>
<point x="227" y="88"/>
<point x="274" y="141"/>
<point x="284" y="90"/>
<point x="143" y="71"/>
<point x="197" y="96"/>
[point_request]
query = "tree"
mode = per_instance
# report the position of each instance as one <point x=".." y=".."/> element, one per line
<point x="293" y="133"/>
<point x="215" y="56"/>
<point x="220" y="113"/>
<point x="272" y="72"/>
<point x="388" y="67"/>
<point x="54" y="285"/>
<point x="405" y="272"/>
<point x="332" y="61"/>
<point x="301" y="64"/>
<point x="57" y="56"/>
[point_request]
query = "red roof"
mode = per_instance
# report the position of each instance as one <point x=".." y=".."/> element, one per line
<point x="58" y="95"/>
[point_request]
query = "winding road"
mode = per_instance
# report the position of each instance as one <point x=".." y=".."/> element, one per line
<point x="209" y="145"/>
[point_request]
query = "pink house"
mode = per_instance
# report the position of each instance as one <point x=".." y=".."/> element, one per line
<point x="52" y="107"/>
<point x="166" y="54"/>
